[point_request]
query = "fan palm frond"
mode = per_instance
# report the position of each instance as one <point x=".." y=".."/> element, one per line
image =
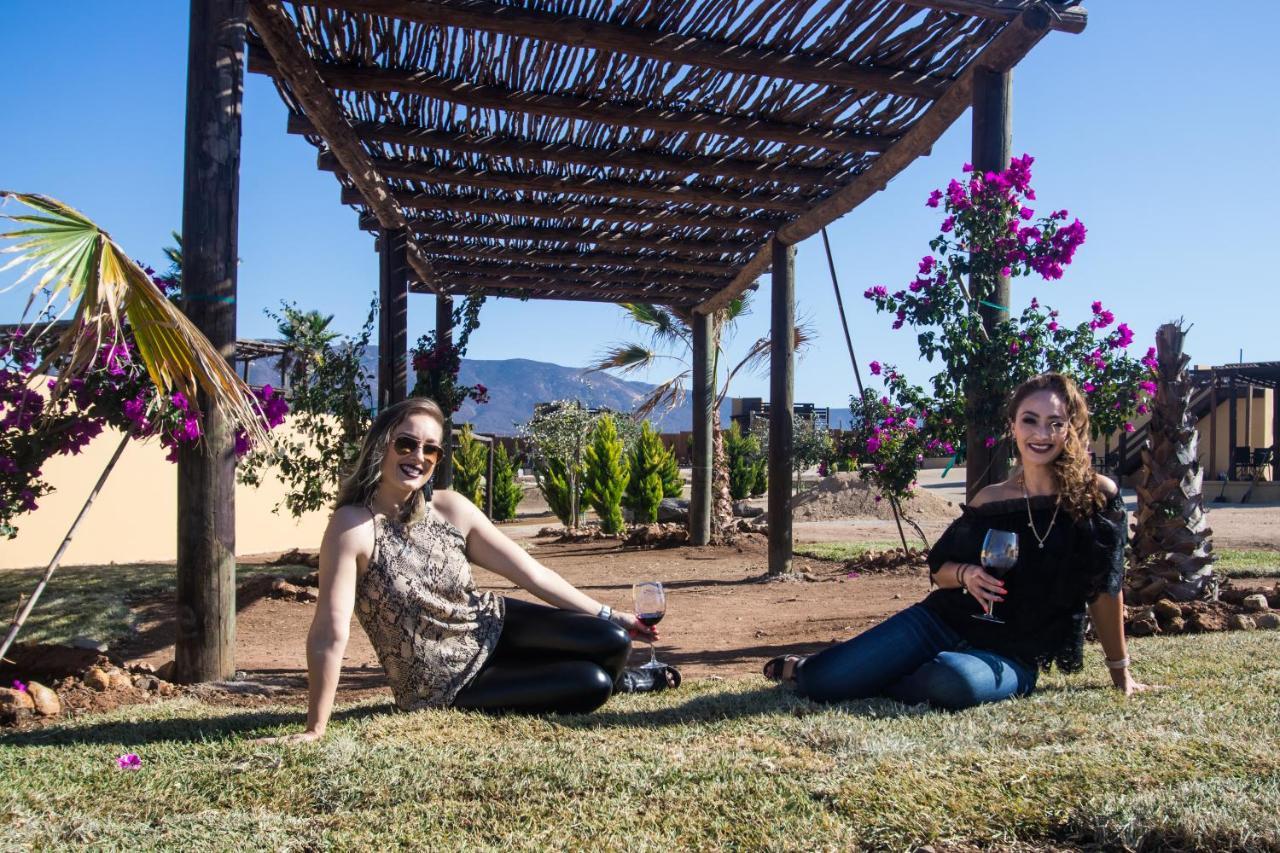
<point x="627" y="358"/>
<point x="757" y="358"/>
<point x="664" y="326"/>
<point x="80" y="261"/>
<point x="669" y="394"/>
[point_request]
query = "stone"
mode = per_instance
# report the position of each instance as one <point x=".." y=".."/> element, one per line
<point x="1267" y="621"/>
<point x="119" y="680"/>
<point x="14" y="702"/>
<point x="1144" y="625"/>
<point x="281" y="588"/>
<point x="279" y="584"/>
<point x="165" y="672"/>
<point x="745" y="509"/>
<point x="308" y="595"/>
<point x="1240" y="622"/>
<point x="1166" y="610"/>
<point x="1176" y="625"/>
<point x="673" y="509"/>
<point x="96" y="677"/>
<point x="46" y="702"/>
<point x="1255" y="603"/>
<point x="146" y="682"/>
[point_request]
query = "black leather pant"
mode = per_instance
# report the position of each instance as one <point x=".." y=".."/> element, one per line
<point x="548" y="660"/>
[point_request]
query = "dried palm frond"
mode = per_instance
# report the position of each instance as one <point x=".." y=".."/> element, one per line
<point x="669" y="394"/>
<point x="81" y="263"/>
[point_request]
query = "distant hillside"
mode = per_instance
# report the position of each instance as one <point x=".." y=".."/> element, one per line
<point x="516" y="385"/>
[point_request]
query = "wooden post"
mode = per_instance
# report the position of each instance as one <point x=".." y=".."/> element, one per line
<point x="992" y="146"/>
<point x="1233" y="426"/>
<point x="393" y="317"/>
<point x="444" y="336"/>
<point x="1124" y="455"/>
<point x="206" y="588"/>
<point x="1213" y="424"/>
<point x="703" y="402"/>
<point x="1248" y="417"/>
<point x="782" y="346"/>
<point x="1275" y="433"/>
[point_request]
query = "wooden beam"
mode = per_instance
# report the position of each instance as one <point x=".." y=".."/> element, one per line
<point x="291" y="63"/>
<point x="533" y="182"/>
<point x="1071" y="20"/>
<point x="703" y="404"/>
<point x="443" y="478"/>
<point x="573" y="236"/>
<point x="782" y="346"/>
<point x="683" y="49"/>
<point x="1001" y="54"/>
<point x="458" y="91"/>
<point x="373" y="132"/>
<point x="607" y="296"/>
<point x="574" y="259"/>
<point x="575" y="210"/>
<point x="206" y="573"/>
<point x="517" y="288"/>
<point x="609" y="276"/>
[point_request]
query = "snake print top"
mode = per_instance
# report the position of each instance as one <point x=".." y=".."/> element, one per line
<point x="430" y="626"/>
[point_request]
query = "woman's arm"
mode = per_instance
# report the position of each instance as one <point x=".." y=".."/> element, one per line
<point x="348" y="537"/>
<point x="1107" y="614"/>
<point x="491" y="548"/>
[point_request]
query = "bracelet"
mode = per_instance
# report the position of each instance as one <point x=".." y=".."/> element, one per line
<point x="1123" y="663"/>
<point x="960" y="573"/>
<point x="606" y="612"/>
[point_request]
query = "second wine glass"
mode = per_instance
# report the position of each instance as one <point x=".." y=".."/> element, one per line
<point x="651" y="605"/>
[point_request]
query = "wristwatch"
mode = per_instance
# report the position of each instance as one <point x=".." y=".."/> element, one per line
<point x="606" y="612"/>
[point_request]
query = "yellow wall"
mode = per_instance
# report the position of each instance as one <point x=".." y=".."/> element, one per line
<point x="134" y="518"/>
<point x="1255" y="433"/>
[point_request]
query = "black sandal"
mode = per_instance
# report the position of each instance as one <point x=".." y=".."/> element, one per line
<point x="775" y="669"/>
<point x="649" y="679"/>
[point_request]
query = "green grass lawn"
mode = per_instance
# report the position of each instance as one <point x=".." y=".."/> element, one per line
<point x="93" y="601"/>
<point x="714" y="765"/>
<point x="841" y="551"/>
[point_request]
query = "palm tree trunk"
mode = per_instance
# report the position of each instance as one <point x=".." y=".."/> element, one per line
<point x="722" y="526"/>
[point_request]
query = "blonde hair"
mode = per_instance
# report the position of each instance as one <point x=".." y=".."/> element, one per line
<point x="359" y="486"/>
<point x="1073" y="470"/>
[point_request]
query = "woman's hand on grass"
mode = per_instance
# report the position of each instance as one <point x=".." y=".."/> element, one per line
<point x="309" y="736"/>
<point x="1124" y="681"/>
<point x="633" y="626"/>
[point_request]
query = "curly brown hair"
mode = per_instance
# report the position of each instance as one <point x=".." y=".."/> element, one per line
<point x="1073" y="470"/>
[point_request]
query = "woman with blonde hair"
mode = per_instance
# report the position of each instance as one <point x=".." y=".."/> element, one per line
<point x="1070" y="530"/>
<point x="397" y="553"/>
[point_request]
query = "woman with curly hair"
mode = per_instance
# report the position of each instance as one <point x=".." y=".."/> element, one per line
<point x="1071" y="529"/>
<point x="398" y="555"/>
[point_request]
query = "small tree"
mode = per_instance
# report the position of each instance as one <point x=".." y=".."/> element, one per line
<point x="649" y="483"/>
<point x="559" y="433"/>
<point x="560" y="489"/>
<point x="606" y="474"/>
<point x="745" y="462"/>
<point x="507" y="491"/>
<point x="469" y="466"/>
<point x="811" y="445"/>
<point x="669" y="469"/>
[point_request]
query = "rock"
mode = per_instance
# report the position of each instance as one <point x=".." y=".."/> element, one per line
<point x="142" y="667"/>
<point x="15" y="702"/>
<point x="308" y="596"/>
<point x="166" y="688"/>
<point x="1176" y="625"/>
<point x="1166" y="610"/>
<point x="673" y="509"/>
<point x="1255" y="603"/>
<point x="89" y="644"/>
<point x="745" y="509"/>
<point x="46" y="702"/>
<point x="279" y="584"/>
<point x="1144" y="624"/>
<point x="1267" y="621"/>
<point x="165" y="672"/>
<point x="119" y="680"/>
<point x="97" y="678"/>
<point x="312" y="579"/>
<point x="1240" y="622"/>
<point x="146" y="682"/>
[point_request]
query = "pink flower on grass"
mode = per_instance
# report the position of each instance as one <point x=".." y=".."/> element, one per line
<point x="129" y="761"/>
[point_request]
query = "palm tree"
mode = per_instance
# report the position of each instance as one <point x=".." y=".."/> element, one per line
<point x="671" y="338"/>
<point x="1172" y="544"/>
<point x="307" y="339"/>
<point x="104" y="289"/>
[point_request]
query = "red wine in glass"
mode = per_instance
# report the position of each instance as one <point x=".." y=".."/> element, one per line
<point x="651" y="605"/>
<point x="999" y="555"/>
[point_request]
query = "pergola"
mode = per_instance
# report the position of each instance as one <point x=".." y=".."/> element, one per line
<point x="668" y="152"/>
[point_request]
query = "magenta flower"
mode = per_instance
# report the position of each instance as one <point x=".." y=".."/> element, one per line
<point x="926" y="264"/>
<point x="1128" y="427"/>
<point x="1013" y="347"/>
<point x="19" y="686"/>
<point x="990" y="442"/>
<point x="934" y="198"/>
<point x="1006" y="271"/>
<point x="1148" y="386"/>
<point x="1026" y="213"/>
<point x="1096" y="306"/>
<point x="948" y="224"/>
<point x="875" y="368"/>
<point x="873" y="445"/>
<point x="129" y="761"/>
<point x="1143" y="408"/>
<point x="1124" y="335"/>
<point x="1089" y="387"/>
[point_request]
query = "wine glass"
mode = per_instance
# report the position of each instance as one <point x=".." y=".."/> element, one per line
<point x="999" y="555"/>
<point x="651" y="606"/>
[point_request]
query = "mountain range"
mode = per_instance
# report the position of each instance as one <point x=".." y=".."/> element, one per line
<point x="516" y="385"/>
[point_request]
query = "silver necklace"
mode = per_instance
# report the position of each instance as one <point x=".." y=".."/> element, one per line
<point x="1040" y="540"/>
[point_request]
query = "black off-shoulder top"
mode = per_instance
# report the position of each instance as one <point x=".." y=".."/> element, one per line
<point x="1044" y="610"/>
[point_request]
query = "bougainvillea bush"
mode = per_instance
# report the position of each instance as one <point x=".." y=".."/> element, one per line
<point x="116" y="392"/>
<point x="989" y="230"/>
<point x="436" y="363"/>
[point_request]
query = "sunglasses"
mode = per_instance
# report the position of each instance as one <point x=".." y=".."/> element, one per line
<point x="404" y="445"/>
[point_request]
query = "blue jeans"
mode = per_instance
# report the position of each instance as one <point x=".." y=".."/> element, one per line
<point x="913" y="656"/>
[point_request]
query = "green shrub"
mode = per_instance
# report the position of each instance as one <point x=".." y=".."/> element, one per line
<point x="469" y="464"/>
<point x="606" y="475"/>
<point x="507" y="491"/>
<point x="552" y="476"/>
<point x="648" y="483"/>
<point x="748" y="470"/>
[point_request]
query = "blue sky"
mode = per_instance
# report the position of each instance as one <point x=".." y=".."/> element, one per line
<point x="1172" y="161"/>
